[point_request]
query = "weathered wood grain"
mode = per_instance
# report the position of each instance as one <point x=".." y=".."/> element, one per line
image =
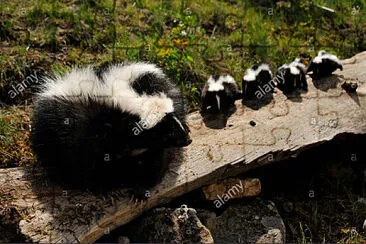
<point x="283" y="128"/>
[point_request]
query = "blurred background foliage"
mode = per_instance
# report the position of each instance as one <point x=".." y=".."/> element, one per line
<point x="189" y="39"/>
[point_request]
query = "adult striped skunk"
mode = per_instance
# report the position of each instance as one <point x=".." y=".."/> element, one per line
<point x="292" y="76"/>
<point x="324" y="64"/>
<point x="257" y="81"/>
<point x="97" y="128"/>
<point x="219" y="93"/>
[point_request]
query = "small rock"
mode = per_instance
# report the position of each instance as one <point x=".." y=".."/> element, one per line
<point x="272" y="236"/>
<point x="252" y="123"/>
<point x="271" y="206"/>
<point x="232" y="188"/>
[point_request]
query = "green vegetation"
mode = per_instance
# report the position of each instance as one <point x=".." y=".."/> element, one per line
<point x="14" y="137"/>
<point x="189" y="39"/>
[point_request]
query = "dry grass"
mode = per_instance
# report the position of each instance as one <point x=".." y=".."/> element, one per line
<point x="14" y="136"/>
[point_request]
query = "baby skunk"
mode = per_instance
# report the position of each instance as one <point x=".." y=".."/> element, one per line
<point x="255" y="77"/>
<point x="98" y="128"/>
<point x="219" y="93"/>
<point x="290" y="77"/>
<point x="324" y="64"/>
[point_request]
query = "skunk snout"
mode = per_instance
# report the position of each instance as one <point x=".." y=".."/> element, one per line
<point x="184" y="141"/>
<point x="178" y="138"/>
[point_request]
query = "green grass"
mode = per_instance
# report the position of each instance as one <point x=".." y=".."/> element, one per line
<point x="45" y="35"/>
<point x="14" y="137"/>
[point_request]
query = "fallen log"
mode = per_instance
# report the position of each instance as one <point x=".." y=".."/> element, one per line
<point x="251" y="138"/>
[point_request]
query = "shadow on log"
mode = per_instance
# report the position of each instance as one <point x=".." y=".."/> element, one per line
<point x="282" y="129"/>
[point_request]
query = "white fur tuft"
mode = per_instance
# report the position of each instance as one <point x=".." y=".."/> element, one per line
<point x="77" y="83"/>
<point x="331" y="57"/>
<point x="130" y="72"/>
<point x="251" y="74"/>
<point x="152" y="109"/>
<point x="294" y="70"/>
<point x="218" y="85"/>
<point x="296" y="65"/>
<point x="317" y="60"/>
<point x="264" y="67"/>
<point x="324" y="55"/>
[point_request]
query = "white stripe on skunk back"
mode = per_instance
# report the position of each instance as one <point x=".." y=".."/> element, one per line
<point x="292" y="76"/>
<point x="115" y="89"/>
<point x="219" y="93"/>
<point x="324" y="55"/>
<point x="324" y="64"/>
<point x="79" y="82"/>
<point x="218" y="85"/>
<point x="251" y="74"/>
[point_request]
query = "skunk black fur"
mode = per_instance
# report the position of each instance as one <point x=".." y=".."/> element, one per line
<point x="290" y="77"/>
<point x="102" y="128"/>
<point x="324" y="64"/>
<point x="219" y="93"/>
<point x="255" y="77"/>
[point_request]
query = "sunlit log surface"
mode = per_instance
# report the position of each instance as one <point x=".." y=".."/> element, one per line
<point x="283" y="128"/>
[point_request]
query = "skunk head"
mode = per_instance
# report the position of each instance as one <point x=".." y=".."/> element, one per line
<point x="175" y="131"/>
<point x="161" y="124"/>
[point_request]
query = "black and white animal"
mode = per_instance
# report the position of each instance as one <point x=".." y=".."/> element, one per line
<point x="91" y="127"/>
<point x="256" y="79"/>
<point x="219" y="93"/>
<point x="290" y="77"/>
<point x="324" y="64"/>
